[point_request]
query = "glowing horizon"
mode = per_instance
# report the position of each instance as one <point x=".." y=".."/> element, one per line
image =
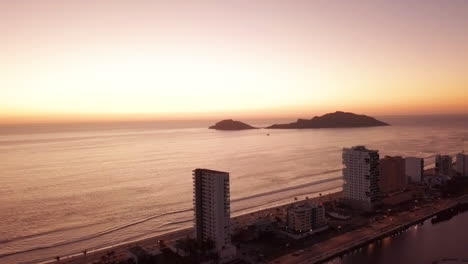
<point x="127" y="59"/>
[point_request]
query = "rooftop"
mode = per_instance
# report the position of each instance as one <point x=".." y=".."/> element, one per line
<point x="360" y="148"/>
<point x="208" y="170"/>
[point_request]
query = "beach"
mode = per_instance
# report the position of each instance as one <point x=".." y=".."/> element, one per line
<point x="237" y="222"/>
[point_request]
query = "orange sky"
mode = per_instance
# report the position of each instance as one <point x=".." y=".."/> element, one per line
<point x="184" y="59"/>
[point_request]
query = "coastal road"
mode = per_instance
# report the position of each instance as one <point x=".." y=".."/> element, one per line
<point x="354" y="238"/>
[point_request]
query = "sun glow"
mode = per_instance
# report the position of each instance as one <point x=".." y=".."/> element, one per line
<point x="175" y="61"/>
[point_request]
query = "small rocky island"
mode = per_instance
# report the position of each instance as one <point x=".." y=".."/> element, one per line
<point x="230" y="124"/>
<point x="333" y="120"/>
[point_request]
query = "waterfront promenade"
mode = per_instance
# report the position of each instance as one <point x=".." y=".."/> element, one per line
<point x="341" y="244"/>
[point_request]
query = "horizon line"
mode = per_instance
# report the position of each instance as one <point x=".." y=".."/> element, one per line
<point x="83" y="119"/>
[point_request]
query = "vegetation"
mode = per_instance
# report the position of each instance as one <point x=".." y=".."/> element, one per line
<point x="454" y="187"/>
<point x="196" y="251"/>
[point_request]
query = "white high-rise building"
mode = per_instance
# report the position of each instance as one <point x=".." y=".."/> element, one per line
<point x="461" y="166"/>
<point x="414" y="169"/>
<point x="361" y="177"/>
<point x="212" y="210"/>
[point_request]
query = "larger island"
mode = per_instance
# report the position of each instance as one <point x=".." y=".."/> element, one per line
<point x="333" y="120"/>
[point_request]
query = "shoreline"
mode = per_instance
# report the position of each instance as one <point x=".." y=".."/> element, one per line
<point x="243" y="219"/>
<point x="380" y="230"/>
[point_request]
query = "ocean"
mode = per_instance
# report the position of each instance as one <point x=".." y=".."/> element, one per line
<point x="65" y="188"/>
<point x="442" y="243"/>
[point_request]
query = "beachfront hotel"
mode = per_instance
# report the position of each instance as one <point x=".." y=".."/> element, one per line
<point x="361" y="177"/>
<point x="212" y="210"/>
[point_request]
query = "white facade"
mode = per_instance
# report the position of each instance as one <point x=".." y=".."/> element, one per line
<point x="306" y="217"/>
<point x="361" y="176"/>
<point x="443" y="165"/>
<point x="414" y="168"/>
<point x="300" y="218"/>
<point x="462" y="164"/>
<point x="212" y="209"/>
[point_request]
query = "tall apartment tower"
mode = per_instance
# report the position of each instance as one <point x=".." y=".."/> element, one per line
<point x="414" y="169"/>
<point x="361" y="177"/>
<point x="443" y="165"/>
<point x="212" y="210"/>
<point x="392" y="175"/>
<point x="462" y="164"/>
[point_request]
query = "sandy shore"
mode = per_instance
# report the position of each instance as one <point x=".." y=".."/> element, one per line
<point x="237" y="222"/>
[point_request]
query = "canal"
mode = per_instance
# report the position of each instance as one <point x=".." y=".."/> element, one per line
<point x="445" y="242"/>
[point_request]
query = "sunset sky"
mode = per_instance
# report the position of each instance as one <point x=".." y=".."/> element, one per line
<point x="189" y="59"/>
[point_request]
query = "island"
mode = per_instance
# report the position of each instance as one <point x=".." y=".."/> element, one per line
<point x="333" y="120"/>
<point x="230" y="124"/>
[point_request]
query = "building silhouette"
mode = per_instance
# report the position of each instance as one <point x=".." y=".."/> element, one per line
<point x="212" y="210"/>
<point x="414" y="168"/>
<point x="392" y="177"/>
<point x="461" y="166"/>
<point x="443" y="165"/>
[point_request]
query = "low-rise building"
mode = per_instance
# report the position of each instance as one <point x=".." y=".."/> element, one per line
<point x="414" y="168"/>
<point x="253" y="232"/>
<point x="143" y="254"/>
<point x="305" y="217"/>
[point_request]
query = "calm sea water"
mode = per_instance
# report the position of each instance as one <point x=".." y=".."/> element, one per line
<point x="442" y="243"/>
<point x="66" y="188"/>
